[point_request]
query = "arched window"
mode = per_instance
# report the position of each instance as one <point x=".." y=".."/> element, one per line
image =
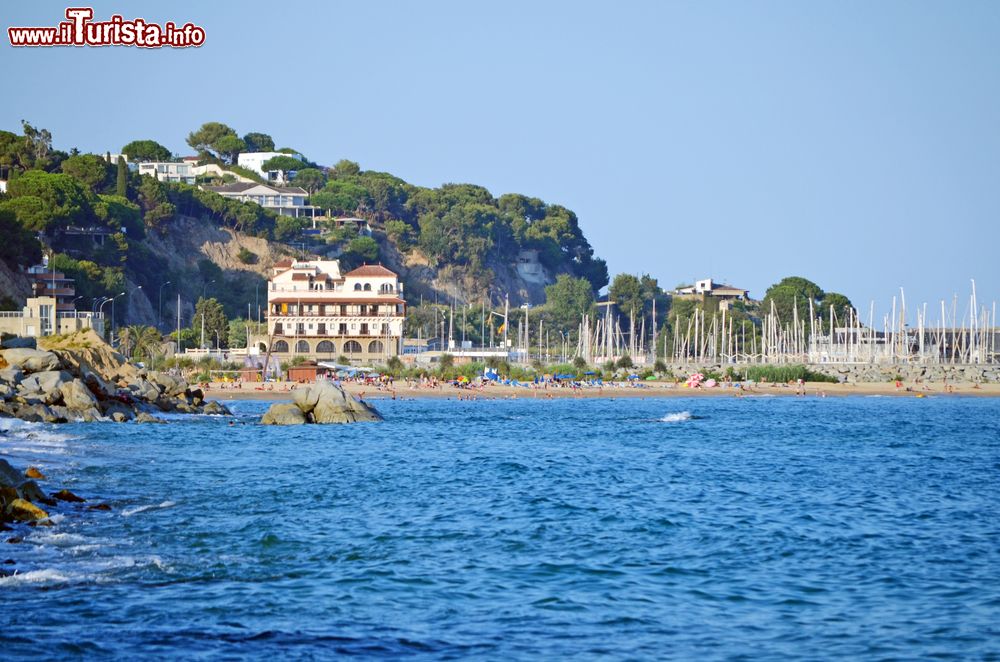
<point x="385" y="288"/>
<point x="325" y="346"/>
<point x="352" y="347"/>
<point x="376" y="347"/>
<point x="262" y="347"/>
<point x="368" y="287"/>
<point x="302" y="347"/>
<point x="357" y="287"/>
<point x="280" y="347"/>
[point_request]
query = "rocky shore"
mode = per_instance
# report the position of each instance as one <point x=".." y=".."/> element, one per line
<point x="322" y="402"/>
<point x="81" y="378"/>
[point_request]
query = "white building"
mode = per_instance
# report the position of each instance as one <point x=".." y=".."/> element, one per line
<point x="315" y="311"/>
<point x="284" y="200"/>
<point x="255" y="161"/>
<point x="186" y="171"/>
<point x="706" y="287"/>
<point x="42" y="316"/>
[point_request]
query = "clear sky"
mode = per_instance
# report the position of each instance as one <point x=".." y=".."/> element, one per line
<point x="854" y="143"/>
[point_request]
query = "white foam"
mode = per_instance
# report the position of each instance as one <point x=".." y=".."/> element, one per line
<point x="128" y="512"/>
<point x="56" y="539"/>
<point x="676" y="417"/>
<point x="48" y="576"/>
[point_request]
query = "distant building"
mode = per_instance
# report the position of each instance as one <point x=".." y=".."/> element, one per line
<point x="41" y="316"/>
<point x="283" y="200"/>
<point x="255" y="161"/>
<point x="186" y="171"/>
<point x="55" y="284"/>
<point x="315" y="311"/>
<point x="706" y="287"/>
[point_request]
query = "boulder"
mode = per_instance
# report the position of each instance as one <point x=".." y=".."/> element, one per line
<point x="77" y="396"/>
<point x="169" y="385"/>
<point x="9" y="476"/>
<point x="34" y="472"/>
<point x="143" y="417"/>
<point x="283" y="413"/>
<point x="116" y="411"/>
<point x="30" y="360"/>
<point x="195" y="396"/>
<point x="12" y="376"/>
<point x="19" y="343"/>
<point x="44" y="383"/>
<point x="66" y="495"/>
<point x="25" y="511"/>
<point x="6" y="391"/>
<point x="324" y="402"/>
<point x="143" y="389"/>
<point x="214" y="408"/>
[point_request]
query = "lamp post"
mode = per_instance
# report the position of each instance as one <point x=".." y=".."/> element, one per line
<point x="562" y="357"/>
<point x="129" y="311"/>
<point x="100" y="309"/>
<point x="205" y="286"/>
<point x="159" y="306"/>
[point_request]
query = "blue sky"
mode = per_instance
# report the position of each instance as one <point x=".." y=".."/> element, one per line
<point x="854" y="143"/>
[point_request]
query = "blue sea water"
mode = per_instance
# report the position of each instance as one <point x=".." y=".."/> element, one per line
<point x="708" y="528"/>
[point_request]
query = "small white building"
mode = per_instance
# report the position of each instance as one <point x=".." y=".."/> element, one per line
<point x="169" y="171"/>
<point x="41" y="316"/>
<point x="706" y="287"/>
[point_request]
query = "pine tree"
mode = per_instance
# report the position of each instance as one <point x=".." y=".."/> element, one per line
<point x="122" y="185"/>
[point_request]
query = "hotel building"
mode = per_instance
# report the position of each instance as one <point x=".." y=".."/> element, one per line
<point x="315" y="311"/>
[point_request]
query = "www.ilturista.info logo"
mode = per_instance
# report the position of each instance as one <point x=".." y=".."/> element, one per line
<point x="80" y="30"/>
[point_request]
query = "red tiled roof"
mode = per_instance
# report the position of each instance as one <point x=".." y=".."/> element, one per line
<point x="371" y="270"/>
<point x="287" y="262"/>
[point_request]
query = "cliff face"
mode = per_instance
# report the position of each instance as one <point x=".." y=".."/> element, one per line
<point x="13" y="285"/>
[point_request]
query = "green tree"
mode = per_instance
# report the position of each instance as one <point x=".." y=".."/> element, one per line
<point x="567" y="299"/>
<point x="341" y="197"/>
<point x="121" y="178"/>
<point x="117" y="212"/>
<point x="155" y="203"/>
<point x="311" y="179"/>
<point x="360" y="250"/>
<point x="791" y="294"/>
<point x="258" y="142"/>
<point x="205" y="140"/>
<point x="843" y="309"/>
<point x="344" y="168"/>
<point x="90" y="170"/>
<point x="283" y="163"/>
<point x="215" y="322"/>
<point x="287" y="228"/>
<point x="399" y="232"/>
<point x="146" y="150"/>
<point x="19" y="246"/>
<point x="626" y="292"/>
<point x="229" y="147"/>
<point x="64" y="200"/>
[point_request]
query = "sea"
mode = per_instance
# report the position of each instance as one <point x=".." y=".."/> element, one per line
<point x="753" y="528"/>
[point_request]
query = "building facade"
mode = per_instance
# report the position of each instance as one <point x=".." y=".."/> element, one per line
<point x="317" y="312"/>
<point x="284" y="200"/>
<point x="41" y="317"/>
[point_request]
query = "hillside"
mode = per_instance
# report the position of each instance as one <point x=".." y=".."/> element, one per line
<point x="115" y="231"/>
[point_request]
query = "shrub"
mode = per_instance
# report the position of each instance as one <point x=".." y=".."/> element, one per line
<point x="246" y="256"/>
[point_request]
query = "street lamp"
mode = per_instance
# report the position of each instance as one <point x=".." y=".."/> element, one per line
<point x="100" y="309"/>
<point x="205" y="286"/>
<point x="159" y="306"/>
<point x="127" y="312"/>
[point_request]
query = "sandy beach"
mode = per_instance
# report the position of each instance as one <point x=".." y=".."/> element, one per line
<point x="401" y="390"/>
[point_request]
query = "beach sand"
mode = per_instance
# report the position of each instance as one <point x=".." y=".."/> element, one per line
<point x="283" y="391"/>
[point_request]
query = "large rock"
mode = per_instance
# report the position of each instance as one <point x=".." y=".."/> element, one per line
<point x="12" y="376"/>
<point x="283" y="413"/>
<point x="47" y="381"/>
<point x="30" y="360"/>
<point x="25" y="511"/>
<point x="169" y="385"/>
<point x="322" y="402"/>
<point x="214" y="408"/>
<point x="77" y="396"/>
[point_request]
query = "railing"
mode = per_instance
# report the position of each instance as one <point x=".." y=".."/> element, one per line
<point x="12" y="313"/>
<point x="80" y="315"/>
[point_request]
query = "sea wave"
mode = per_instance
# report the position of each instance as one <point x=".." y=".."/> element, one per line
<point x="676" y="417"/>
<point x="128" y="512"/>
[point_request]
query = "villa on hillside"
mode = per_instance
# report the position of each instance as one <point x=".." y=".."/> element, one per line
<point x="315" y="311"/>
<point x="186" y="171"/>
<point x="283" y="200"/>
<point x="705" y="288"/>
<point x="255" y="161"/>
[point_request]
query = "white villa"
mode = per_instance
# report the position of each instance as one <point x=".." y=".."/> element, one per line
<point x="284" y="200"/>
<point x="706" y="287"/>
<point x="315" y="311"/>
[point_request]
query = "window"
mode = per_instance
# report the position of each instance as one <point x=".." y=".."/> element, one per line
<point x="302" y="346"/>
<point x="280" y="347"/>
<point x="277" y="328"/>
<point x="364" y="329"/>
<point x="357" y="287"/>
<point x="352" y="347"/>
<point x="300" y="329"/>
<point x="342" y="328"/>
<point x="325" y="346"/>
<point x="321" y="329"/>
<point x="368" y="287"/>
<point x="375" y="347"/>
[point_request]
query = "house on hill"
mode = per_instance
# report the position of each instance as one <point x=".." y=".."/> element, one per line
<point x="283" y="200"/>
<point x="705" y="288"/>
